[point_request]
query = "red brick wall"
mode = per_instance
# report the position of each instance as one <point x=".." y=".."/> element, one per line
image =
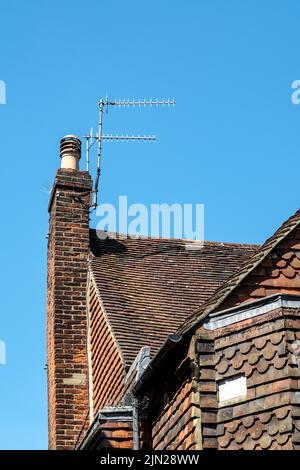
<point x="68" y="249"/>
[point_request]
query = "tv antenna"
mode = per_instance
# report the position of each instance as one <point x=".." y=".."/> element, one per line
<point x="99" y="137"/>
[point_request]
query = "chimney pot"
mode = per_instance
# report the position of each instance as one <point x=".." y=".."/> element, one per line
<point x="70" y="152"/>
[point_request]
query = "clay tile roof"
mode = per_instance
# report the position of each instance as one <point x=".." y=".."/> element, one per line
<point x="150" y="286"/>
<point x="232" y="282"/>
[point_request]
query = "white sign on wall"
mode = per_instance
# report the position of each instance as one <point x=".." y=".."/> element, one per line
<point x="235" y="387"/>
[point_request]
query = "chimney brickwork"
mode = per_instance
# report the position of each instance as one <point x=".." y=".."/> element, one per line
<point x="68" y="248"/>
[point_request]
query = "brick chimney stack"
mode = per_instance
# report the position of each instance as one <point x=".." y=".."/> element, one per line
<point x="68" y="248"/>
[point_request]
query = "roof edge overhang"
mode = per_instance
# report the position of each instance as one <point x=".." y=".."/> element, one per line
<point x="233" y="282"/>
<point x="220" y="319"/>
<point x="160" y="356"/>
<point x="115" y="414"/>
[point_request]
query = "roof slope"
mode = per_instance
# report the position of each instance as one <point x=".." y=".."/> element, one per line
<point x="228" y="287"/>
<point x="150" y="286"/>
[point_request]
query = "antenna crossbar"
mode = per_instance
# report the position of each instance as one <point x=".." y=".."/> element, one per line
<point x="128" y="137"/>
<point x="99" y="137"/>
<point x="133" y="102"/>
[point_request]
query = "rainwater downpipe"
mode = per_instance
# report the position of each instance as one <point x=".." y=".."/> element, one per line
<point x="135" y="423"/>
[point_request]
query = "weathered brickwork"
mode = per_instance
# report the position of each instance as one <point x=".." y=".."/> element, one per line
<point x="68" y="249"/>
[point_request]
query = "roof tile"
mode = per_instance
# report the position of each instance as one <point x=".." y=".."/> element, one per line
<point x="150" y="286"/>
<point x="228" y="287"/>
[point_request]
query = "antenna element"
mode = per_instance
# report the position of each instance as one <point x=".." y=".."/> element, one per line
<point x="91" y="139"/>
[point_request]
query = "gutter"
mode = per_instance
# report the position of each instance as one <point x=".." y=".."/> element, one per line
<point x="150" y="370"/>
<point x="127" y="412"/>
<point x="114" y="414"/>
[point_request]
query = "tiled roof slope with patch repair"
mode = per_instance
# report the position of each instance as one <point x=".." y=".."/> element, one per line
<point x="150" y="286"/>
<point x="215" y="301"/>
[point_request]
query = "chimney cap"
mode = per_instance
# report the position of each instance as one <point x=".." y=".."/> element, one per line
<point x="70" y="152"/>
<point x="70" y="136"/>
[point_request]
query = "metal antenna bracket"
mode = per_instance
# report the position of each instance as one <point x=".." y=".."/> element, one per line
<point x="91" y="139"/>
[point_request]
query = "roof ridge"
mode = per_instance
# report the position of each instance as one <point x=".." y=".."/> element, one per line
<point x="247" y="267"/>
<point x="188" y="240"/>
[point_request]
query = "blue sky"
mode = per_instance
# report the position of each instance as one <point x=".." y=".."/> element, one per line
<point x="231" y="142"/>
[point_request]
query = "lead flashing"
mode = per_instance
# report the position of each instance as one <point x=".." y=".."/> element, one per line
<point x="249" y="310"/>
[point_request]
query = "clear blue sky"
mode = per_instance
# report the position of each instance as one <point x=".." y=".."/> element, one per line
<point x="232" y="142"/>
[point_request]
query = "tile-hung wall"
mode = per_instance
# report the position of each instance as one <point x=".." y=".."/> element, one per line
<point x="256" y="372"/>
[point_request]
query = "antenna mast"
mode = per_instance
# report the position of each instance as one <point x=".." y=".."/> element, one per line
<point x="100" y="137"/>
